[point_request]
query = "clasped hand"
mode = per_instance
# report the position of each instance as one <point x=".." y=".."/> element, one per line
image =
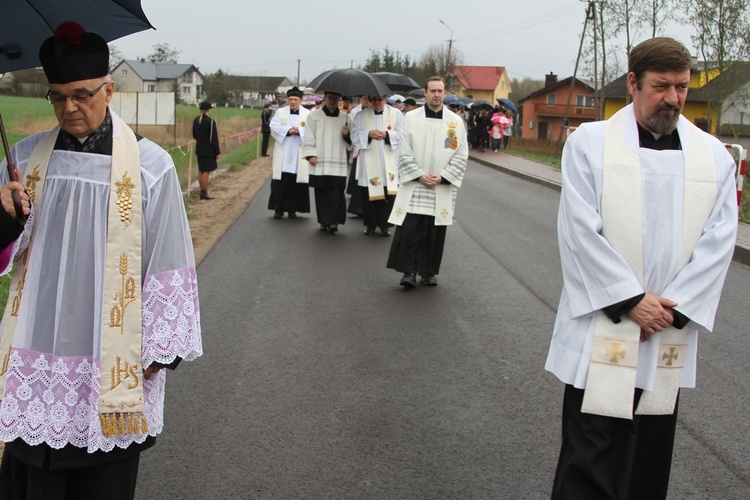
<point x="430" y="180"/>
<point x="378" y="135"/>
<point x="653" y="314"/>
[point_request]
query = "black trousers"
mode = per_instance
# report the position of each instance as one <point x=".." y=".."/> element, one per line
<point x="264" y="143"/>
<point x="613" y="458"/>
<point x="330" y="201"/>
<point x="376" y="213"/>
<point x="289" y="196"/>
<point x="417" y="246"/>
<point x="111" y="480"/>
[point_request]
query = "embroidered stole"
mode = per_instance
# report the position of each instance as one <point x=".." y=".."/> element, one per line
<point x="610" y="386"/>
<point x="418" y="135"/>
<point x="303" y="172"/>
<point x="375" y="182"/>
<point x="121" y="405"/>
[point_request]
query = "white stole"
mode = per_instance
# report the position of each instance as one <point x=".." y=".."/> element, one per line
<point x="610" y="385"/>
<point x="375" y="182"/>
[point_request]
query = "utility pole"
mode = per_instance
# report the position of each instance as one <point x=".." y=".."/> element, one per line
<point x="449" y="65"/>
<point x="298" y="64"/>
<point x="590" y="13"/>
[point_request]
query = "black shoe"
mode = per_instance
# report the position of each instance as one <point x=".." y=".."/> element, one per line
<point x="206" y="196"/>
<point x="333" y="229"/>
<point x="428" y="280"/>
<point x="369" y="230"/>
<point x="292" y="215"/>
<point x="278" y="215"/>
<point x="409" y="280"/>
<point x="385" y="231"/>
<point x="266" y="155"/>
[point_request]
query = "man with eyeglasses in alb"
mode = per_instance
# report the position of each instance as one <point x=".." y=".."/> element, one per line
<point x="104" y="291"/>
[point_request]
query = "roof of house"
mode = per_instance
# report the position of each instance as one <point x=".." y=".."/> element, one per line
<point x="269" y="84"/>
<point x="151" y="71"/>
<point x="725" y="83"/>
<point x="478" y="77"/>
<point x="555" y="86"/>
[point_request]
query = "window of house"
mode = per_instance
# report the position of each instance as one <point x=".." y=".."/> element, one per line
<point x="124" y="73"/>
<point x="187" y="78"/>
<point x="186" y="90"/>
<point x="551" y="99"/>
<point x="584" y="100"/>
<point x="152" y="88"/>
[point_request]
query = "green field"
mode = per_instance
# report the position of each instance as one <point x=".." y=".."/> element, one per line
<point x="22" y="116"/>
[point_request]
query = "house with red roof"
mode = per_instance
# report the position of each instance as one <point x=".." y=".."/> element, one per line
<point x="481" y="82"/>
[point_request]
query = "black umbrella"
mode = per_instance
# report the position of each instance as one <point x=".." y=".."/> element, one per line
<point x="35" y="21"/>
<point x="29" y="23"/>
<point x="397" y="82"/>
<point x="349" y="82"/>
<point x="416" y="92"/>
<point x="507" y="104"/>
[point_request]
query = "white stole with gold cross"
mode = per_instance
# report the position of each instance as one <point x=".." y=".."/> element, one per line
<point x="121" y="404"/>
<point x="610" y="385"/>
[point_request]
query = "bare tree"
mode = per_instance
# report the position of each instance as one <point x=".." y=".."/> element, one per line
<point x="115" y="57"/>
<point x="163" y="52"/>
<point x="655" y="13"/>
<point x="437" y="61"/>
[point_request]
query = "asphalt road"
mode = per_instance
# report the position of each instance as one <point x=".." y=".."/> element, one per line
<point x="321" y="378"/>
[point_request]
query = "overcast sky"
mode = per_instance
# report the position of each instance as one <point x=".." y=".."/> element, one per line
<point x="529" y="37"/>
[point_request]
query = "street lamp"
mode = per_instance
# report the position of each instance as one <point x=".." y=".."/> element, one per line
<point x="449" y="65"/>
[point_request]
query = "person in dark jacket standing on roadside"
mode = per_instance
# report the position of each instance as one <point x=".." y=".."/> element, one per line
<point x="265" y="128"/>
<point x="207" y="149"/>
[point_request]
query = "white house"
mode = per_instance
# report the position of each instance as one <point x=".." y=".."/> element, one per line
<point x="150" y="76"/>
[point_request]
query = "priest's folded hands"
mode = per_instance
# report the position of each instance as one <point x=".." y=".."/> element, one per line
<point x="653" y="314"/>
<point x="430" y="180"/>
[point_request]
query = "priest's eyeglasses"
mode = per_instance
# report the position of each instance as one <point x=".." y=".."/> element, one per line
<point x="78" y="97"/>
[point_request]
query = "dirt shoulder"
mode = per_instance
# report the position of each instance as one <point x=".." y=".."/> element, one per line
<point x="232" y="191"/>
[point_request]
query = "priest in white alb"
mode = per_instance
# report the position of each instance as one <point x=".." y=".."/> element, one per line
<point x="289" y="181"/>
<point x="375" y="132"/>
<point x="647" y="226"/>
<point x="432" y="162"/>
<point x="324" y="147"/>
<point x="103" y="292"/>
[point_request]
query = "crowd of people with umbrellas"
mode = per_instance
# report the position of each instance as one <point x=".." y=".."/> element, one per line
<point x="489" y="125"/>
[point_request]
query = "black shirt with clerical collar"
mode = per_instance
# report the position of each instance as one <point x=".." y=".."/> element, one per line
<point x="429" y="113"/>
<point x="293" y="111"/>
<point x="666" y="142"/>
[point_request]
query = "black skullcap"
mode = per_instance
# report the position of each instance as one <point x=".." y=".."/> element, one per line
<point x="294" y="92"/>
<point x="73" y="54"/>
<point x="410" y="102"/>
